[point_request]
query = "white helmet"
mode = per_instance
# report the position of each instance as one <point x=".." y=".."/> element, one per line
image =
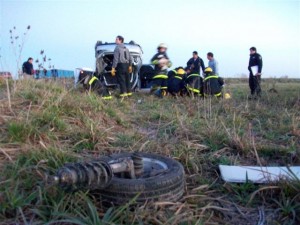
<point x="162" y="45"/>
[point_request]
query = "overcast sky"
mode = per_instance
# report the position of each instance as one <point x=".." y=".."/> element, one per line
<point x="68" y="30"/>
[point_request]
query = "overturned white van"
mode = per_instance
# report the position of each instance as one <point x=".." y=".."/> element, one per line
<point x="104" y="53"/>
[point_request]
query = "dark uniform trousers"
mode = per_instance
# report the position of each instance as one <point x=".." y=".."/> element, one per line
<point x="254" y="84"/>
<point x="123" y="78"/>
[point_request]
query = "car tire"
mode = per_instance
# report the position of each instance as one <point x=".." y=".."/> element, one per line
<point x="167" y="185"/>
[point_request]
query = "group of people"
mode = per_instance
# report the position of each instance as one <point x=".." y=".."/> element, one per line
<point x="182" y="80"/>
<point x="188" y="80"/>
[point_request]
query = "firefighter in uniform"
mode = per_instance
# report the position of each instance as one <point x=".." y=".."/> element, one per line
<point x="212" y="84"/>
<point x="176" y="81"/>
<point x="193" y="84"/>
<point x="161" y="64"/>
<point x="122" y="67"/>
<point x="255" y="67"/>
<point x="96" y="85"/>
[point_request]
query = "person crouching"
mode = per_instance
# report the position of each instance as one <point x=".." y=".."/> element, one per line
<point x="176" y="82"/>
<point x="193" y="84"/>
<point x="212" y="83"/>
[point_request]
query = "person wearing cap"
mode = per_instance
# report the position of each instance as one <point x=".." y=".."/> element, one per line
<point x="176" y="81"/>
<point x="161" y="64"/>
<point x="255" y="68"/>
<point x="27" y="69"/>
<point x="212" y="84"/>
<point x="194" y="64"/>
<point x="122" y="67"/>
<point x="212" y="63"/>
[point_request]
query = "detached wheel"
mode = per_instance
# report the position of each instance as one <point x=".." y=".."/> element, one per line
<point x="162" y="179"/>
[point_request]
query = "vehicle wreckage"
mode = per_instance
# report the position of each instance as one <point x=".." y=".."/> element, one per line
<point x="121" y="177"/>
<point x="104" y="54"/>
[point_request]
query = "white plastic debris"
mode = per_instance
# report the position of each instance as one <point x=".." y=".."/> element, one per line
<point x="257" y="174"/>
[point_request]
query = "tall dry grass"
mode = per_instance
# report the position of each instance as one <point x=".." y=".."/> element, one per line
<point x="46" y="124"/>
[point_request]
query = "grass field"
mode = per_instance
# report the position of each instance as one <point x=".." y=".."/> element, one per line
<point x="46" y="124"/>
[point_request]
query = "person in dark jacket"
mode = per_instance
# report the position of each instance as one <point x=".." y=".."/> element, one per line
<point x="176" y="81"/>
<point x="255" y="68"/>
<point x="212" y="84"/>
<point x="161" y="64"/>
<point x="27" y="69"/>
<point x="122" y="67"/>
<point x="193" y="83"/>
<point x="194" y="64"/>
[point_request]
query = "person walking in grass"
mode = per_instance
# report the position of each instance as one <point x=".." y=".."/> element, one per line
<point x="27" y="69"/>
<point x="255" y="68"/>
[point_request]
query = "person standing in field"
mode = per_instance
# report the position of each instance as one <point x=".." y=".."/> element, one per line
<point x="194" y="64"/>
<point x="212" y="63"/>
<point x="255" y="68"/>
<point x="27" y="69"/>
<point x="122" y="67"/>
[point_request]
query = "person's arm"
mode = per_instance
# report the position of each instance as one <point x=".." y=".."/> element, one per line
<point x="249" y="67"/>
<point x="154" y="59"/>
<point x="116" y="57"/>
<point x="130" y="58"/>
<point x="189" y="63"/>
<point x="216" y="68"/>
<point x="202" y="65"/>
<point x="221" y="81"/>
<point x="31" y="69"/>
<point x="259" y="63"/>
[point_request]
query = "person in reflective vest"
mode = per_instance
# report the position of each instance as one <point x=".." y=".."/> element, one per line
<point x="161" y="64"/>
<point x="193" y="84"/>
<point x="95" y="84"/>
<point x="176" y="81"/>
<point x="212" y="83"/>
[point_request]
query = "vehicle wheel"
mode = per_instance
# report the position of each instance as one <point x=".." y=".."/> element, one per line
<point x="162" y="179"/>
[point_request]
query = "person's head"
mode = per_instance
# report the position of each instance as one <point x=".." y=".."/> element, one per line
<point x="162" y="47"/>
<point x="119" y="39"/>
<point x="210" y="56"/>
<point x="187" y="70"/>
<point x="30" y="60"/>
<point x="252" y="50"/>
<point x="195" y="54"/>
<point x="208" y="71"/>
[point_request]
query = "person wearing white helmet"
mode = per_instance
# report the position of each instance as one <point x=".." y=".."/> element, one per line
<point x="161" y="64"/>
